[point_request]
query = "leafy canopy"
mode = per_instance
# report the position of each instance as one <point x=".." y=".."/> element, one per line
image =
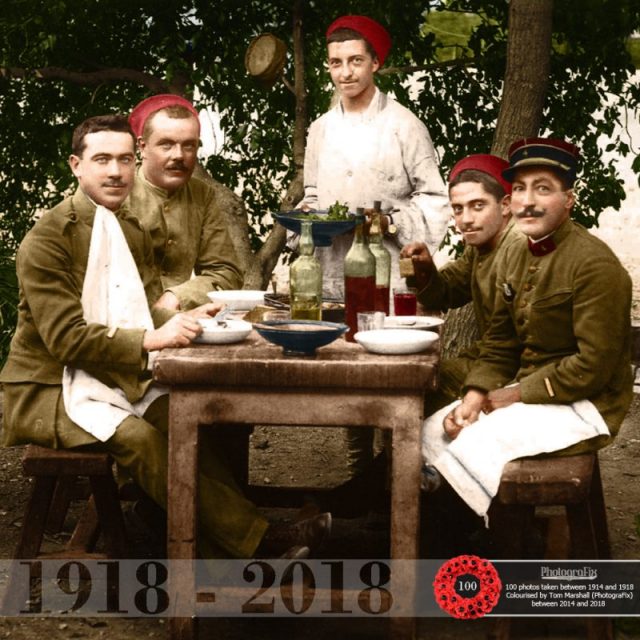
<point x="133" y="49"/>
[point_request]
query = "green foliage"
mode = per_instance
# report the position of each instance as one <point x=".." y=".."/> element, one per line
<point x="201" y="44"/>
<point x="8" y="299"/>
<point x="591" y="83"/>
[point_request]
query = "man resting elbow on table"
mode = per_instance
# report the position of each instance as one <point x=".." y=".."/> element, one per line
<point x="78" y="370"/>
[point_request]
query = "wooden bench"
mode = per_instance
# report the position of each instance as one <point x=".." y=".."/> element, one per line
<point x="572" y="482"/>
<point x="56" y="473"/>
<point x="56" y="477"/>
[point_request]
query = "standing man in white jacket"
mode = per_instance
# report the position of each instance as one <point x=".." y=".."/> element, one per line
<point x="369" y="147"/>
<point x="366" y="148"/>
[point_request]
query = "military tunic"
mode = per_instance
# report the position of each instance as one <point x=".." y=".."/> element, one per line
<point x="470" y="278"/>
<point x="189" y="237"/>
<point x="561" y="326"/>
<point x="51" y="333"/>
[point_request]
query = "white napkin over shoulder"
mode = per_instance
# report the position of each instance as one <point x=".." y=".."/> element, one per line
<point x="473" y="462"/>
<point x="112" y="295"/>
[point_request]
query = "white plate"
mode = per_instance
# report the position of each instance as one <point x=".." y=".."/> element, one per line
<point x="213" y="333"/>
<point x="396" y="341"/>
<point x="412" y="322"/>
<point x="239" y="299"/>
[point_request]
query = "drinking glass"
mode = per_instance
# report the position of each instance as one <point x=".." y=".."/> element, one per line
<point x="369" y="320"/>
<point x="404" y="301"/>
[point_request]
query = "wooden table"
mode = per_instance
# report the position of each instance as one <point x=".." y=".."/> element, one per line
<point x="252" y="382"/>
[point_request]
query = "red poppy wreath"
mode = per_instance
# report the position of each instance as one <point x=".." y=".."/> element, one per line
<point x="467" y="587"/>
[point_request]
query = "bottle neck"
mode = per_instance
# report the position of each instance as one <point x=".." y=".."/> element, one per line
<point x="305" y="246"/>
<point x="375" y="231"/>
<point x="359" y="234"/>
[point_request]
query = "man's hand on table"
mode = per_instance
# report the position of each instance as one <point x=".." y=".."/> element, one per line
<point x="180" y="330"/>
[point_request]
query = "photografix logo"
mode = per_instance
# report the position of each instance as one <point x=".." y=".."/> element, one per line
<point x="561" y="573"/>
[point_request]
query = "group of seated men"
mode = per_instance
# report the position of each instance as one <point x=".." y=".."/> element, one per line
<point x="121" y="269"/>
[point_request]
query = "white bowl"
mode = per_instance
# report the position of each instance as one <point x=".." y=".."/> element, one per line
<point x="238" y="299"/>
<point x="396" y="341"/>
<point x="214" y="333"/>
<point x="412" y="322"/>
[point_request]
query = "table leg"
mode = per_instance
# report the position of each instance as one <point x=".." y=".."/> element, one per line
<point x="181" y="514"/>
<point x="405" y="519"/>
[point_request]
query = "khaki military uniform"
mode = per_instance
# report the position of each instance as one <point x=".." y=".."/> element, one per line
<point x="189" y="237"/>
<point x="470" y="278"/>
<point x="51" y="333"/>
<point x="561" y="326"/>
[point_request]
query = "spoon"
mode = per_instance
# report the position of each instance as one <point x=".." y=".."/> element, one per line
<point x="220" y="316"/>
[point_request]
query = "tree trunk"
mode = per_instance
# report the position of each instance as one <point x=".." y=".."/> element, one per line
<point x="264" y="261"/>
<point x="527" y="74"/>
<point x="525" y="87"/>
<point x="257" y="267"/>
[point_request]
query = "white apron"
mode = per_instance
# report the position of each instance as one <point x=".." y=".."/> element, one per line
<point x="112" y="295"/>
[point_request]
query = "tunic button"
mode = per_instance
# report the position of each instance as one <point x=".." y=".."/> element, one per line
<point x="532" y="269"/>
<point x="524" y="303"/>
<point x="528" y="286"/>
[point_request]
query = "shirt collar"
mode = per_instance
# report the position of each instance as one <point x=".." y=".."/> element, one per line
<point x="549" y="243"/>
<point x="84" y="207"/>
<point x="369" y="113"/>
<point x="163" y="193"/>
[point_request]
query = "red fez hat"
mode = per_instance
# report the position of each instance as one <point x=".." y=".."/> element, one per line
<point x="548" y="152"/>
<point x="141" y="112"/>
<point x="485" y="162"/>
<point x="373" y="32"/>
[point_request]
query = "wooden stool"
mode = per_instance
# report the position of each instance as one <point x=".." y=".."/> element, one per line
<point x="56" y="473"/>
<point x="572" y="482"/>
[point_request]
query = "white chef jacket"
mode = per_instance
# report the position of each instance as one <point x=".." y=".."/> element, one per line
<point x="384" y="153"/>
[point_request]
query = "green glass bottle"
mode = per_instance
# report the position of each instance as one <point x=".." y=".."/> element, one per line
<point x="305" y="279"/>
<point x="359" y="280"/>
<point x="383" y="260"/>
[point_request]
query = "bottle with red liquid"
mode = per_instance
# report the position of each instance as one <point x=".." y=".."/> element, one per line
<point x="383" y="260"/>
<point x="359" y="279"/>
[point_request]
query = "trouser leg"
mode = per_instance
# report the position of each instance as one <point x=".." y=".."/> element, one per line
<point x="228" y="520"/>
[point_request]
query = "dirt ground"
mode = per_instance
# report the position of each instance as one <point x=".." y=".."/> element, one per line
<point x="294" y="458"/>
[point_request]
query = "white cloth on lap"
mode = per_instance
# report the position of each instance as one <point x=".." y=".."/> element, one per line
<point x="112" y="295"/>
<point x="473" y="462"/>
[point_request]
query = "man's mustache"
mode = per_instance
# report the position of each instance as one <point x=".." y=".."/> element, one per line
<point x="529" y="212"/>
<point x="177" y="166"/>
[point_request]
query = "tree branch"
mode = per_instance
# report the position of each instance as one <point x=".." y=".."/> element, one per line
<point x="90" y="78"/>
<point x="267" y="256"/>
<point x="457" y="62"/>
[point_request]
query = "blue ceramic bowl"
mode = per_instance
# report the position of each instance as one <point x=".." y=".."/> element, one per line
<point x="322" y="230"/>
<point x="300" y="337"/>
